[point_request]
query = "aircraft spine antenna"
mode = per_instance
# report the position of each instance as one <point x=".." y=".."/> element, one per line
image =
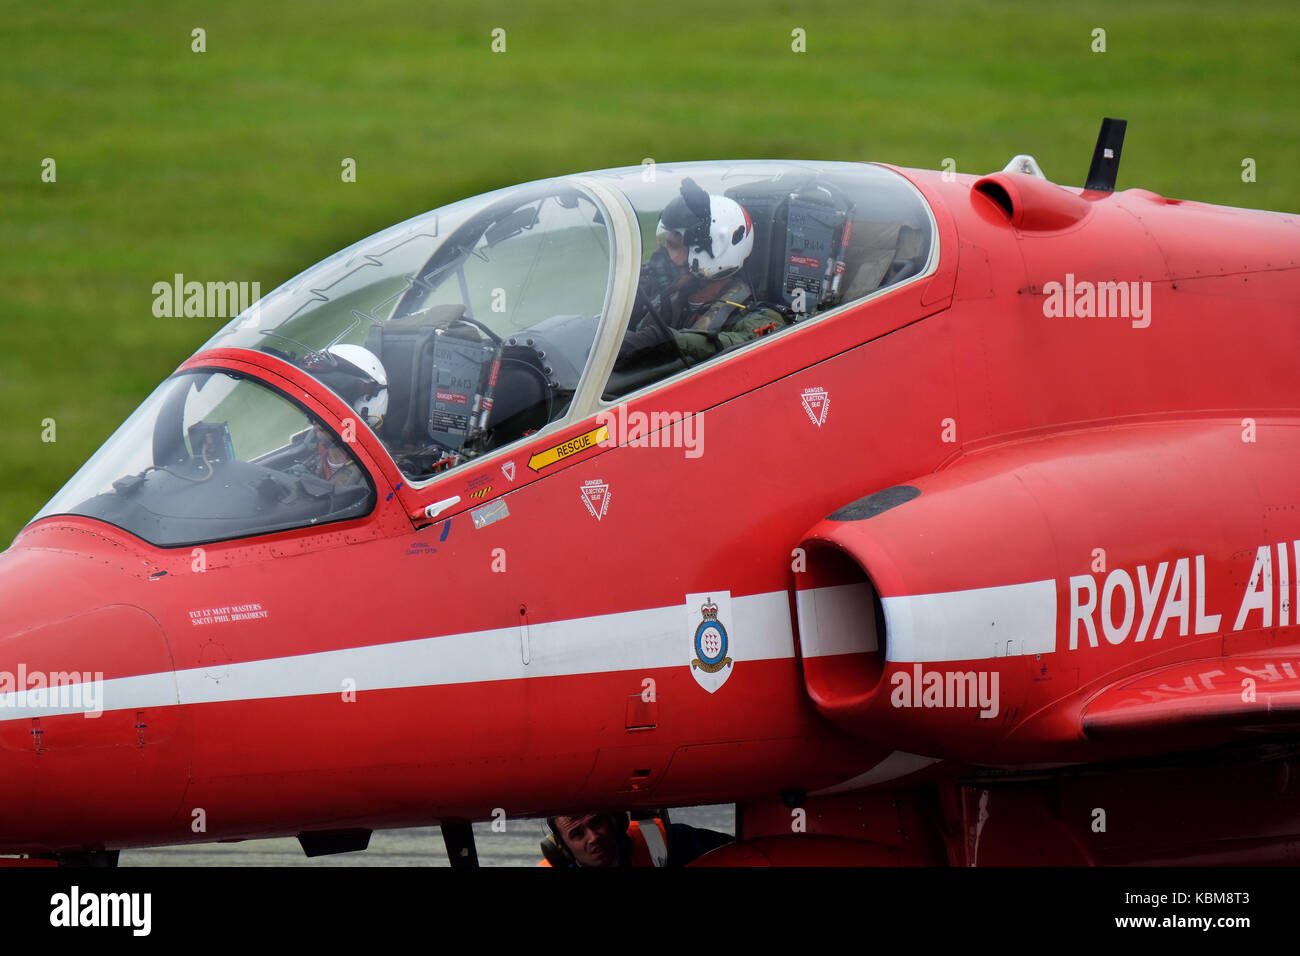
<point x="1104" y="169"/>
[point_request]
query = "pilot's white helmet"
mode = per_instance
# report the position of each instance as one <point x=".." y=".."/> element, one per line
<point x="372" y="403"/>
<point x="717" y="231"/>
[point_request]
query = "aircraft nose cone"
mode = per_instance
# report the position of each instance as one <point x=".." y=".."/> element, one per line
<point x="78" y="741"/>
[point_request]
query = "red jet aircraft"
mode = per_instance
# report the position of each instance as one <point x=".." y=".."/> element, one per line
<point x="985" y="550"/>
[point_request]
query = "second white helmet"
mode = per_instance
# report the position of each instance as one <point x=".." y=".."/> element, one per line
<point x="718" y="236"/>
<point x="371" y="393"/>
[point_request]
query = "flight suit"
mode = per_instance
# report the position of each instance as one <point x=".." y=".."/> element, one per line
<point x="728" y="320"/>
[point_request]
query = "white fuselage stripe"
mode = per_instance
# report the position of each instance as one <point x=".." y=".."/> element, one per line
<point x="979" y="624"/>
<point x="629" y="640"/>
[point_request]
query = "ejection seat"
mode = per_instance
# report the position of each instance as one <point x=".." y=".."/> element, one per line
<point x="522" y="397"/>
<point x="879" y="252"/>
<point x="405" y="347"/>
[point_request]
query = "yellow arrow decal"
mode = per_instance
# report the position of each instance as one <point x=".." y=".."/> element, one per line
<point x="571" y="447"/>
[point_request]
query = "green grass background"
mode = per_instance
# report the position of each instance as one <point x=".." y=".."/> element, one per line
<point x="225" y="165"/>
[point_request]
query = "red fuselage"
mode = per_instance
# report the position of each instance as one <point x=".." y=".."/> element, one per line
<point x="397" y="670"/>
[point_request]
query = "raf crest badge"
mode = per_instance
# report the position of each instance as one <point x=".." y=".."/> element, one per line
<point x="710" y="665"/>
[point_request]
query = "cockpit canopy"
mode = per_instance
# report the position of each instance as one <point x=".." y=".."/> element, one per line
<point x="483" y="320"/>
<point x="484" y="313"/>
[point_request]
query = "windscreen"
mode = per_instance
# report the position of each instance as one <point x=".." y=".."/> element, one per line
<point x="212" y="455"/>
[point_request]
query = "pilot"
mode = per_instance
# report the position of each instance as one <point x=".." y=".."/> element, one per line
<point x="333" y="462"/>
<point x="692" y="289"/>
<point x="611" y="840"/>
<point x="356" y="375"/>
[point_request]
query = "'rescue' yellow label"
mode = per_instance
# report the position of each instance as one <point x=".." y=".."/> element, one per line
<point x="571" y="447"/>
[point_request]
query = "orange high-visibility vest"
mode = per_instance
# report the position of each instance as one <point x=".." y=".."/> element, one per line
<point x="652" y="851"/>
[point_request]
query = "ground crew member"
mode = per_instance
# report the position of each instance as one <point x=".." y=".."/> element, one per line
<point x="611" y="840"/>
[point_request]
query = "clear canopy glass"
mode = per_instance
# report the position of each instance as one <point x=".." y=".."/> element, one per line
<point x="476" y="325"/>
<point x="822" y="234"/>
<point x="481" y="315"/>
